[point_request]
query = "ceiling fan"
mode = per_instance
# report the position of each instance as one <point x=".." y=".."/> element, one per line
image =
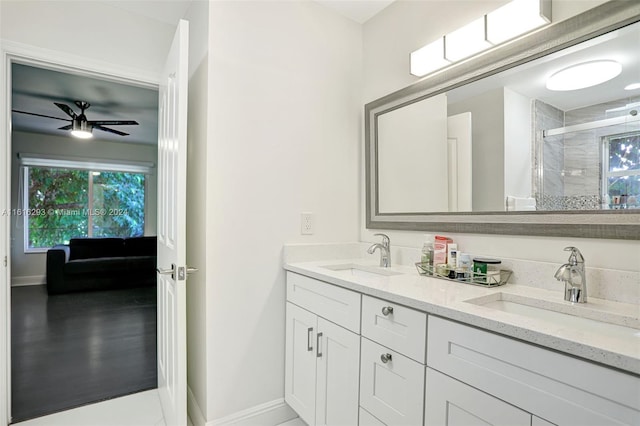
<point x="80" y="126"/>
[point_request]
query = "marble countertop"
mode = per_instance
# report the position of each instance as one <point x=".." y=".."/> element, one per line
<point x="448" y="299"/>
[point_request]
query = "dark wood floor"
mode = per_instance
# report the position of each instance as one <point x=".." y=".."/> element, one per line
<point x="73" y="349"/>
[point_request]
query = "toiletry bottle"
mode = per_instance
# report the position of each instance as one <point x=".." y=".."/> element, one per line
<point x="452" y="255"/>
<point x="426" y="257"/>
<point x="440" y="250"/>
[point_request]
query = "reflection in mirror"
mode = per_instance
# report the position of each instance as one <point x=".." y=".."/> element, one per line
<point x="407" y="138"/>
<point x="533" y="149"/>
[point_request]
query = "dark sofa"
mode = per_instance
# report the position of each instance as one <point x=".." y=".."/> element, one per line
<point x="101" y="264"/>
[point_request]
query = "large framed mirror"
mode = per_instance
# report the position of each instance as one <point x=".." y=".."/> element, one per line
<point x="486" y="146"/>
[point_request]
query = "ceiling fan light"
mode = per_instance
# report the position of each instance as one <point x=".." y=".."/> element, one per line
<point x="81" y="130"/>
<point x="584" y="75"/>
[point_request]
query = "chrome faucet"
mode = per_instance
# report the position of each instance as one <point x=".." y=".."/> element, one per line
<point x="385" y="250"/>
<point x="573" y="275"/>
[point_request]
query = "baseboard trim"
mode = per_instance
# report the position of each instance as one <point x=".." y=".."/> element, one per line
<point x="28" y="280"/>
<point x="268" y="414"/>
<point x="193" y="410"/>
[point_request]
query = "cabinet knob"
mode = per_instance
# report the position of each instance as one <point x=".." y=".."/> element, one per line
<point x="385" y="358"/>
<point x="387" y="310"/>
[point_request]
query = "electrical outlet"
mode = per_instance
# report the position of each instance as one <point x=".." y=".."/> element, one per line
<point x="306" y="223"/>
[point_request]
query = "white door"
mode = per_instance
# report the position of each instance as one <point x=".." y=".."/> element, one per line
<point x="453" y="403"/>
<point x="338" y="369"/>
<point x="459" y="162"/>
<point x="300" y="362"/>
<point x="172" y="178"/>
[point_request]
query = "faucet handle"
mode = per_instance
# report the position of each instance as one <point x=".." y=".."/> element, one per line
<point x="385" y="239"/>
<point x="575" y="257"/>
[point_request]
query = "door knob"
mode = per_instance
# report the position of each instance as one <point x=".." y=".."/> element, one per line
<point x="387" y="310"/>
<point x="385" y="358"/>
<point x="171" y="271"/>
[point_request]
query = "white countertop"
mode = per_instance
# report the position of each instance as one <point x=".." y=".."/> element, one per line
<point x="447" y="299"/>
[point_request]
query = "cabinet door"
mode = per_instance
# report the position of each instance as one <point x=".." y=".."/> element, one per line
<point x="300" y="362"/>
<point x="366" y="419"/>
<point x="452" y="403"/>
<point x="391" y="385"/>
<point x="338" y="364"/>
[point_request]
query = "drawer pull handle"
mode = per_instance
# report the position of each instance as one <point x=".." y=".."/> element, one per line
<point x="318" y="341"/>
<point x="385" y="358"/>
<point x="309" y="333"/>
<point x="387" y="310"/>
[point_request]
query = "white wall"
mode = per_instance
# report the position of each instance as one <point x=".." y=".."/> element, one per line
<point x="487" y="141"/>
<point x="197" y="198"/>
<point x="27" y="265"/>
<point x="405" y="26"/>
<point x="96" y="30"/>
<point x="285" y="116"/>
<point x="517" y="144"/>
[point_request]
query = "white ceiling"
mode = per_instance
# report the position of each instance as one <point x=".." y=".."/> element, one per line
<point x="357" y="10"/>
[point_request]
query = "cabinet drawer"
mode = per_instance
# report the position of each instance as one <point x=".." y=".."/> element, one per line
<point x="391" y="391"/>
<point x="397" y="327"/>
<point x="451" y="403"/>
<point x="338" y="305"/>
<point x="559" y="388"/>
<point x="366" y="419"/>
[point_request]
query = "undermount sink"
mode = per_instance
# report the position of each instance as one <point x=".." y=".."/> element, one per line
<point x="361" y="271"/>
<point x="563" y="314"/>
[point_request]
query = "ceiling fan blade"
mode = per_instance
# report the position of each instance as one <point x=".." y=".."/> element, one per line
<point x="39" y="115"/>
<point x="66" y="109"/>
<point x="113" y="123"/>
<point x="106" y="129"/>
<point x="68" y="127"/>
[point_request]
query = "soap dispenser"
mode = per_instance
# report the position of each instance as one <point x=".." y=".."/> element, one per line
<point x="426" y="257"/>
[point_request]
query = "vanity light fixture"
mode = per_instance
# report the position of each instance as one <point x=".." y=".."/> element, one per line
<point x="509" y="21"/>
<point x="586" y="74"/>
<point x="428" y="58"/>
<point x="632" y="86"/>
<point x="466" y="41"/>
<point x="516" y="18"/>
<point x="81" y="129"/>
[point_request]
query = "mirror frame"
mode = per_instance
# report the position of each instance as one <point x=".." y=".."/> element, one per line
<point x="612" y="224"/>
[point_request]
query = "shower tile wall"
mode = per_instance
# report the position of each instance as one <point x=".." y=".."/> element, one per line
<point x="572" y="162"/>
<point x="582" y="150"/>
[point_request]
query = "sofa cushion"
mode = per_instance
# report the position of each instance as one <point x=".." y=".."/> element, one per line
<point x="140" y="246"/>
<point x="111" y="266"/>
<point x="89" y="248"/>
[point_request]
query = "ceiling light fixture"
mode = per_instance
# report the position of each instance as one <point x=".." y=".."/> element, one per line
<point x="516" y="18"/>
<point x="81" y="129"/>
<point x="428" y="58"/>
<point x="466" y="41"/>
<point x="632" y="86"/>
<point x="509" y="21"/>
<point x="584" y="75"/>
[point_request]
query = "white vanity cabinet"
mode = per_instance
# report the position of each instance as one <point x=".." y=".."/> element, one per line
<point x="322" y="357"/>
<point x="449" y="402"/>
<point x="392" y="363"/>
<point x="558" y="388"/>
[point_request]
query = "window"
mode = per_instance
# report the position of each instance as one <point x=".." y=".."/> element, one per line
<point x="621" y="170"/>
<point x="63" y="203"/>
